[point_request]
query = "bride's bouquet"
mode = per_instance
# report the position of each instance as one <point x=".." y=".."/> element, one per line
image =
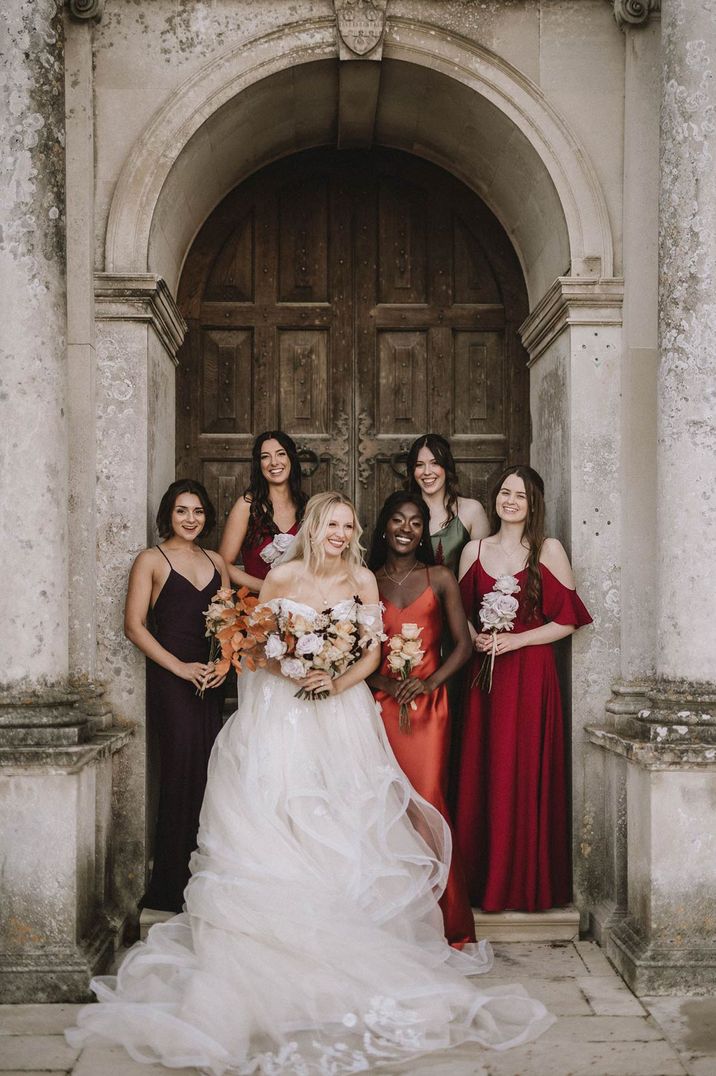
<point x="498" y="610"/>
<point x="325" y="641"/>
<point x="404" y="653"/>
<point x="238" y="628"/>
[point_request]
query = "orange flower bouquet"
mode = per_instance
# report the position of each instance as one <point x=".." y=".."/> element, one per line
<point x="238" y="628"/>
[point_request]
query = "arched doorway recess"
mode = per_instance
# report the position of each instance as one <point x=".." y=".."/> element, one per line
<point x="355" y="299"/>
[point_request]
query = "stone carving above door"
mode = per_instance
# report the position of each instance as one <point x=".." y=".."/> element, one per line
<point x="361" y="25"/>
<point x="634" y="12"/>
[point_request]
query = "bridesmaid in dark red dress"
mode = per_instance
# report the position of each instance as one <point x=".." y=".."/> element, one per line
<point x="414" y="590"/>
<point x="511" y="817"/>
<point x="267" y="513"/>
<point x="175" y="582"/>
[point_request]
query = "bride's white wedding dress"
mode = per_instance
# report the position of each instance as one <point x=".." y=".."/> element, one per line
<point x="311" y="941"/>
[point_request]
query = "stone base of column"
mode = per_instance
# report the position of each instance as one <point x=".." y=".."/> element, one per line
<point x="58" y="924"/>
<point x="650" y="969"/>
<point x="664" y="940"/>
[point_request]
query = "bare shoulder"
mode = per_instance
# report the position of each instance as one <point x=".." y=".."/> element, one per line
<point x="366" y="584"/>
<point x="284" y="574"/>
<point x="148" y="560"/>
<point x="554" y="557"/>
<point x="441" y="575"/>
<point x="468" y="557"/>
<point x="473" y="516"/>
<point x="216" y="558"/>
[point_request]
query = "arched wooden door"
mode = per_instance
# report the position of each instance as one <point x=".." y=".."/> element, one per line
<point x="356" y="300"/>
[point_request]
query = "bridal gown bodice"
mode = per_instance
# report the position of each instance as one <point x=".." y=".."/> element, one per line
<point x="311" y="940"/>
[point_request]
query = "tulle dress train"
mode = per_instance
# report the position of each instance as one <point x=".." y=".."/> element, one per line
<point x="311" y="940"/>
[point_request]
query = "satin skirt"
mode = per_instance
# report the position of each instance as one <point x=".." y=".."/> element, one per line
<point x="311" y="941"/>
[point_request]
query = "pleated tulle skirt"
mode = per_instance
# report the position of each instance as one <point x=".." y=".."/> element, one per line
<point x="312" y="941"/>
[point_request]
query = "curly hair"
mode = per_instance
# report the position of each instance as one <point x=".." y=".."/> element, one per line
<point x="442" y="452"/>
<point x="261" y="521"/>
<point x="534" y="528"/>
<point x="379" y="546"/>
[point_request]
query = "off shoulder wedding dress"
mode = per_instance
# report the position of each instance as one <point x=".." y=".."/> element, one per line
<point x="311" y="940"/>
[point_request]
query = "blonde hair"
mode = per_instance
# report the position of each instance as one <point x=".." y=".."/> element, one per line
<point x="308" y="544"/>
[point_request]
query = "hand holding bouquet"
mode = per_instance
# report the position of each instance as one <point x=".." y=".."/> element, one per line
<point x="238" y="628"/>
<point x="498" y="610"/>
<point x="404" y="654"/>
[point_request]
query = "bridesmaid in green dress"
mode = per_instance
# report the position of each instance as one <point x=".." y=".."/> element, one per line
<point x="454" y="520"/>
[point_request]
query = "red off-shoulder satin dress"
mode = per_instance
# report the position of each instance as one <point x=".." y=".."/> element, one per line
<point x="511" y="816"/>
<point x="423" y="752"/>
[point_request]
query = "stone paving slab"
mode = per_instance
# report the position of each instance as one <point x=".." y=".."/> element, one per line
<point x="601" y="1030"/>
<point x="36" y="1019"/>
<point x="32" y="1052"/>
<point x="609" y="996"/>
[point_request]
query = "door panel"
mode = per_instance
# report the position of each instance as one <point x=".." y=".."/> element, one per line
<point x="357" y="300"/>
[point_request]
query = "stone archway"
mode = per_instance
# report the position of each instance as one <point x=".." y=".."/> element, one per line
<point x="461" y="107"/>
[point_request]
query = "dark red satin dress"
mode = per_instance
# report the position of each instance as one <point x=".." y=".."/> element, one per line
<point x="511" y="817"/>
<point x="423" y="752"/>
<point x="251" y="558"/>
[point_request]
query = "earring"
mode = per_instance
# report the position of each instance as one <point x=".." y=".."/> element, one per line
<point x="384" y="534"/>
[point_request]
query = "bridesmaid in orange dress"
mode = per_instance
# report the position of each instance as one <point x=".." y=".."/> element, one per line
<point x="414" y="590"/>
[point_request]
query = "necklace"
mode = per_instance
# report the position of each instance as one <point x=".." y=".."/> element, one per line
<point x="399" y="582"/>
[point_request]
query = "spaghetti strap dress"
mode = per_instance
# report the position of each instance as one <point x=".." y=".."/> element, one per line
<point x="449" y="542"/>
<point x="423" y="752"/>
<point x="511" y="816"/>
<point x="185" y="725"/>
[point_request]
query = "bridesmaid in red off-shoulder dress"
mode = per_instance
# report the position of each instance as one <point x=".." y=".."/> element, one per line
<point x="267" y="514"/>
<point x="415" y="591"/>
<point x="511" y="816"/>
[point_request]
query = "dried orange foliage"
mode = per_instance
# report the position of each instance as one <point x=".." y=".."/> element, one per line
<point x="238" y="624"/>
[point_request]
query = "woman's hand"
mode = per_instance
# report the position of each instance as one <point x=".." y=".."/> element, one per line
<point x="506" y="643"/>
<point x="194" y="671"/>
<point x="319" y="681"/>
<point x="410" y="689"/>
<point x="212" y="678"/>
<point x="483" y="642"/>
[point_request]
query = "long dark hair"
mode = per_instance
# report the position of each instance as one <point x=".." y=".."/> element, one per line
<point x="261" y="519"/>
<point x="534" y="527"/>
<point x="442" y="452"/>
<point x="379" y="545"/>
<point x="166" y="506"/>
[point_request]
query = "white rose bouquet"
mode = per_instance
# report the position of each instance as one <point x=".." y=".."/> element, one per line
<point x="324" y="641"/>
<point x="276" y="547"/>
<point x="498" y="610"/>
<point x="404" y="653"/>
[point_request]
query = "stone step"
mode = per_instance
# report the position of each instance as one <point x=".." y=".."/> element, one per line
<point x="557" y="924"/>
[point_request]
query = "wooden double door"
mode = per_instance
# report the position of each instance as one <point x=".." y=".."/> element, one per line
<point x="355" y="300"/>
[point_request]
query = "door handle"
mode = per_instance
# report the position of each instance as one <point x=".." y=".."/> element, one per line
<point x="310" y="461"/>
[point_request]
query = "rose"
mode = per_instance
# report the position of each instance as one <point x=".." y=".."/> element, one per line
<point x="396" y="661"/>
<point x="276" y="547"/>
<point x="275" y="647"/>
<point x="412" y="649"/>
<point x="224" y="594"/>
<point x="332" y="653"/>
<point x="299" y="625"/>
<point x="506" y="584"/>
<point x="309" y="644"/>
<point x="490" y="617"/>
<point x="341" y="644"/>
<point x="294" y="668"/>
<point x="395" y="643"/>
<point x="344" y="628"/>
<point x="506" y="605"/>
<point x="410" y="631"/>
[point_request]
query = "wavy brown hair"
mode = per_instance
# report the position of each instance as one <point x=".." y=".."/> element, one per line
<point x="442" y="452"/>
<point x="261" y="521"/>
<point x="533" y="532"/>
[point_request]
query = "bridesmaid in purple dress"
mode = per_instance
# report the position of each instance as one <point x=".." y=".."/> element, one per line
<point x="267" y="514"/>
<point x="172" y="585"/>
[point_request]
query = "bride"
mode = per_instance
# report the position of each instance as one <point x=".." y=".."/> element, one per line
<point x="311" y="940"/>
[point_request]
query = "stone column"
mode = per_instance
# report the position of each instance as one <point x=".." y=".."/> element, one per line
<point x="55" y="768"/>
<point x="667" y="941"/>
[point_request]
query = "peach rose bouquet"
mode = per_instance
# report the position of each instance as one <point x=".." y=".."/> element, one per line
<point x="404" y="654"/>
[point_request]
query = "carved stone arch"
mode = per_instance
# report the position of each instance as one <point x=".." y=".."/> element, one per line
<point x="158" y="206"/>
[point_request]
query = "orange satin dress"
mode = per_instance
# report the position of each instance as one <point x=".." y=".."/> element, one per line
<point x="423" y="752"/>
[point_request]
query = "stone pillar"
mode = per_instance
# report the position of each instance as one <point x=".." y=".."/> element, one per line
<point x="574" y="339"/>
<point x="667" y="940"/>
<point x="139" y="331"/>
<point x="55" y="767"/>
